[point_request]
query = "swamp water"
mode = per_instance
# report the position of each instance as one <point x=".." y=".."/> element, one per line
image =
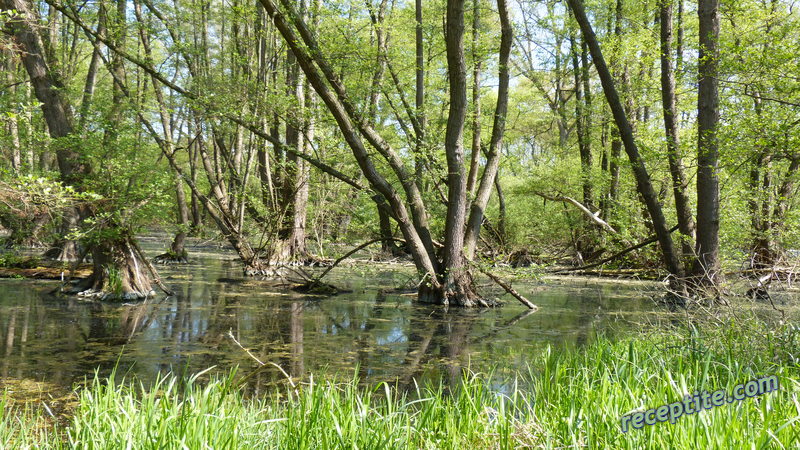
<point x="376" y="329"/>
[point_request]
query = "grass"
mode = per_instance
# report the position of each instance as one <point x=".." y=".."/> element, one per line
<point x="572" y="398"/>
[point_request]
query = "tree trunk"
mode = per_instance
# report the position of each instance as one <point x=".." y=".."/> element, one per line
<point x="109" y="257"/>
<point x="582" y="117"/>
<point x="501" y="220"/>
<point x="13" y="125"/>
<point x="413" y="226"/>
<point x="94" y="64"/>
<point x="65" y="249"/>
<point x="290" y="247"/>
<point x="445" y="280"/>
<point x="420" y="91"/>
<point x="120" y="273"/>
<point x="706" y="267"/>
<point x="584" y="244"/>
<point x="669" y="101"/>
<point x="388" y="246"/>
<point x="177" y="251"/>
<point x="455" y="283"/>
<point x="472" y="177"/>
<point x="616" y="142"/>
<point x="478" y="208"/>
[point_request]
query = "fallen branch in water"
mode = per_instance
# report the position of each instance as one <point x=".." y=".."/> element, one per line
<point x="261" y="363"/>
<point x="644" y="243"/>
<point x="507" y="287"/>
<point x="315" y="283"/>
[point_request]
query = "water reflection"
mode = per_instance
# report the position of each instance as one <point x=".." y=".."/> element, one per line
<point x="376" y="329"/>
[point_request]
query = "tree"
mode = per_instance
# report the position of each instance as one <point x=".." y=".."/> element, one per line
<point x="706" y="266"/>
<point x="446" y="279"/>
<point x="644" y="183"/>
<point x="669" y="102"/>
<point x="118" y="267"/>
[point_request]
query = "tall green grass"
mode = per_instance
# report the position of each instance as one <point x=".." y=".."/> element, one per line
<point x="571" y="398"/>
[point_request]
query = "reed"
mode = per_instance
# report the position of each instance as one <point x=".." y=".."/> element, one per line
<point x="572" y="398"/>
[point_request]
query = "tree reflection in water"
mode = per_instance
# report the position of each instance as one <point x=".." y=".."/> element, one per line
<point x="376" y="330"/>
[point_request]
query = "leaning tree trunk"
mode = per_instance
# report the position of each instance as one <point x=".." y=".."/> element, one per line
<point x="669" y="100"/>
<point x="478" y="207"/>
<point x="474" y="158"/>
<point x="110" y="257"/>
<point x="643" y="181"/>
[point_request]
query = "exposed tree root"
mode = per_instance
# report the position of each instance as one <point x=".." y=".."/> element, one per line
<point x="453" y="295"/>
<point x="64" y="251"/>
<point x="170" y="258"/>
<point x="120" y="273"/>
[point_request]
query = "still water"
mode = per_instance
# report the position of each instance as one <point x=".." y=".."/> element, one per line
<point x="376" y="330"/>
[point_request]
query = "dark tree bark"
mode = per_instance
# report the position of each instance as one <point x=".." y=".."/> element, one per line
<point x="57" y="112"/>
<point x="669" y="101"/>
<point x="498" y="129"/>
<point x="706" y="266"/>
<point x="643" y="181"/>
<point x="118" y="268"/>
<point x="472" y="176"/>
<point x="47" y="88"/>
<point x="419" y="100"/>
<point x="456" y="284"/>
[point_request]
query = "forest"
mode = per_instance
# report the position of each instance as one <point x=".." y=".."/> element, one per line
<point x="296" y="167"/>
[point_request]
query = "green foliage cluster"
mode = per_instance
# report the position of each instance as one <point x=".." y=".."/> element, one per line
<point x="16" y="261"/>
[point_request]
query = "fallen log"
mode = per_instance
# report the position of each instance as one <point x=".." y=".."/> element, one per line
<point x="44" y="273"/>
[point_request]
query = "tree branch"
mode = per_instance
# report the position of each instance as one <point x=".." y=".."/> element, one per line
<point x="595" y="217"/>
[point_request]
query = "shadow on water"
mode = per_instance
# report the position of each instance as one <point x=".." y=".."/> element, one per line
<point x="375" y="329"/>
